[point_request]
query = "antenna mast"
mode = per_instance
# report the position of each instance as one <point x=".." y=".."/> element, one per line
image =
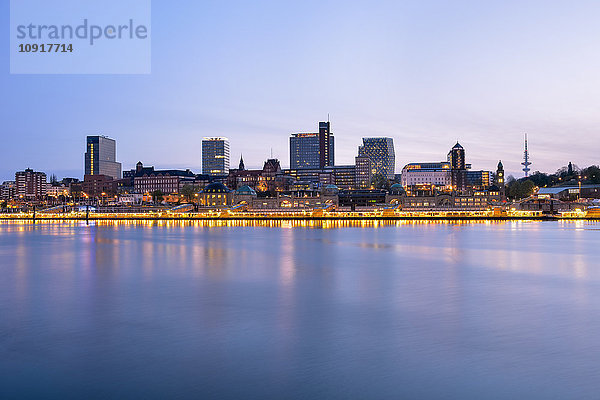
<point x="526" y="162"/>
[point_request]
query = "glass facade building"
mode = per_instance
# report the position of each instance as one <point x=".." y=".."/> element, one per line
<point x="215" y="156"/>
<point x="382" y="155"/>
<point x="313" y="150"/>
<point x="304" y="150"/>
<point x="479" y="179"/>
<point x="100" y="157"/>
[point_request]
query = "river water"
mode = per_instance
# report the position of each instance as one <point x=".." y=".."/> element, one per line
<point x="300" y="310"/>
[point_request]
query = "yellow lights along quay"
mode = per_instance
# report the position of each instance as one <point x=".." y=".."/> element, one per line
<point x="305" y="215"/>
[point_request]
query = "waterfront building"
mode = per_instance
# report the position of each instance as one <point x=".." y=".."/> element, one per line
<point x="395" y="195"/>
<point x="246" y="177"/>
<point x="202" y="181"/>
<point x="547" y="204"/>
<point x="102" y="186"/>
<point x="69" y="181"/>
<point x="436" y="175"/>
<point x="380" y="150"/>
<point x="31" y="185"/>
<point x="397" y="189"/>
<point x="100" y="157"/>
<point x="8" y="190"/>
<point x="58" y="190"/>
<point x="289" y="200"/>
<point x="270" y="178"/>
<point x="313" y="150"/>
<point x="215" y="156"/>
<point x="476" y="201"/>
<point x="137" y="171"/>
<point x="307" y="175"/>
<point x="147" y="180"/>
<point x="570" y="192"/>
<point x="343" y="176"/>
<point x="363" y="172"/>
<point x="361" y="198"/>
<point x="215" y="195"/>
<point x="245" y="193"/>
<point x="455" y="174"/>
<point x="478" y="180"/>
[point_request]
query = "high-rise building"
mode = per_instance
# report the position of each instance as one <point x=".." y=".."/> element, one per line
<point x="313" y="150"/>
<point x="304" y="150"/>
<point x="364" y="173"/>
<point x="215" y="156"/>
<point x="456" y="159"/>
<point x="381" y="152"/>
<point x="326" y="145"/>
<point x="31" y="184"/>
<point x="100" y="157"/>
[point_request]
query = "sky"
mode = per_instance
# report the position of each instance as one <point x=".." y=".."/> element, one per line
<point x="426" y="73"/>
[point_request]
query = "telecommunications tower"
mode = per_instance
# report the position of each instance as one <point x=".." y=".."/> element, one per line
<point x="526" y="162"/>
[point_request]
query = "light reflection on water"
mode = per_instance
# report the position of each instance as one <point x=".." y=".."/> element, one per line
<point x="299" y="309"/>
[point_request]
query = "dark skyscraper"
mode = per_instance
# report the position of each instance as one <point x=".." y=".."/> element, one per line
<point x="100" y="157"/>
<point x="326" y="145"/>
<point x="456" y="158"/>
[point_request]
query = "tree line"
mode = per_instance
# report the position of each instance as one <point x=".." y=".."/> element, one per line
<point x="569" y="175"/>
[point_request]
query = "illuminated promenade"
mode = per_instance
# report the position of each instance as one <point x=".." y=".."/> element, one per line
<point x="317" y="215"/>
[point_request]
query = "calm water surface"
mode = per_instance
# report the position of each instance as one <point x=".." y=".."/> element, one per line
<point x="300" y="311"/>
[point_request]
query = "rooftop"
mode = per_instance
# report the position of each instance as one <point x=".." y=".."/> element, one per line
<point x="215" y="187"/>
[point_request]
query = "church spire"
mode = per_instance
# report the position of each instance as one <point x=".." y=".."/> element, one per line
<point x="242" y="167"/>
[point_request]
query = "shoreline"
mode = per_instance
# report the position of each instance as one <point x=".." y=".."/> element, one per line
<point x="303" y="218"/>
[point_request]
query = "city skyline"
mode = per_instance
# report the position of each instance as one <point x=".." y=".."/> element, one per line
<point x="299" y="199"/>
<point x="424" y="74"/>
<point x="201" y="169"/>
